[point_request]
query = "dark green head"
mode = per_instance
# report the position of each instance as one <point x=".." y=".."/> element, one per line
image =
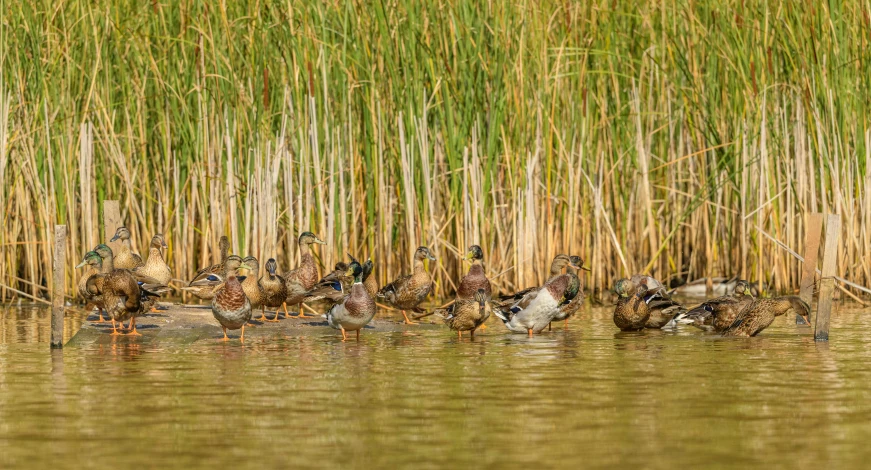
<point x="356" y="271"/>
<point x="624" y="287"/>
<point x="92" y="259"/>
<point x="308" y="238"/>
<point x="103" y="250"/>
<point x="475" y="253"/>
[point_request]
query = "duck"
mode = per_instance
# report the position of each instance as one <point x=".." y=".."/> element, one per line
<point x="251" y="285"/>
<point x="119" y="292"/>
<point x="659" y="307"/>
<point x="126" y="258"/>
<point x="206" y="284"/>
<point x="570" y="309"/>
<point x="334" y="286"/>
<point x="356" y="309"/>
<point x="274" y="291"/>
<point x="369" y="281"/>
<point x="760" y="314"/>
<point x="301" y="280"/>
<point x="155" y="266"/>
<point x="467" y="314"/>
<point x="91" y="301"/>
<point x="536" y="310"/>
<point x="718" y="313"/>
<point x="406" y="292"/>
<point x="218" y="268"/>
<point x="231" y="306"/>
<point x="476" y="279"/>
<point x="631" y="312"/>
<point x="559" y="263"/>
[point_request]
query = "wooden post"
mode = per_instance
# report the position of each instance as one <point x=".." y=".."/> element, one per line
<point x="57" y="291"/>
<point x="111" y="222"/>
<point x="811" y="254"/>
<point x="827" y="279"/>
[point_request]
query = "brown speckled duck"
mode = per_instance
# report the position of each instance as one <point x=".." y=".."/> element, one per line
<point x="82" y="287"/>
<point x="155" y="267"/>
<point x="476" y="279"/>
<point x="251" y="285"/>
<point x="231" y="306"/>
<point x="205" y="285"/>
<point x="467" y="314"/>
<point x="408" y="291"/>
<point x="631" y="312"/>
<point x="301" y="280"/>
<point x="274" y="291"/>
<point x="125" y="258"/>
<point x="719" y="313"/>
<point x="760" y="313"/>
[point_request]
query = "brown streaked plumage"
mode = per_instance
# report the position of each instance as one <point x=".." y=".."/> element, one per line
<point x="760" y="313"/>
<point x="274" y="290"/>
<point x="408" y="291"/>
<point x="231" y="306"/>
<point x="467" y="314"/>
<point x="476" y="278"/>
<point x="631" y="312"/>
<point x="576" y="263"/>
<point x="719" y="313"/>
<point x="207" y="284"/>
<point x="302" y="279"/>
<point x="356" y="309"/>
<point x="251" y="285"/>
<point x="125" y="258"/>
<point x="155" y="267"/>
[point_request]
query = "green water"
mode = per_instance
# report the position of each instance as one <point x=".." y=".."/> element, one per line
<point x="588" y="396"/>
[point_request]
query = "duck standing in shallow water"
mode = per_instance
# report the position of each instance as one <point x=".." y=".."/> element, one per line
<point x="231" y="306"/>
<point x="719" y="313"/>
<point x="537" y="309"/>
<point x="760" y="314"/>
<point x="301" y="280"/>
<point x="476" y="279"/>
<point x="570" y="309"/>
<point x="631" y="312"/>
<point x="466" y="314"/>
<point x="274" y="291"/>
<point x="356" y="309"/>
<point x="408" y="291"/>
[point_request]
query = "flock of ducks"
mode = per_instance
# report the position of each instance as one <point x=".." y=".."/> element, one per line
<point x="125" y="287"/>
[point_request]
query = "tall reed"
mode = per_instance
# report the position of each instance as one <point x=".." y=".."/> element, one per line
<point x="667" y="137"/>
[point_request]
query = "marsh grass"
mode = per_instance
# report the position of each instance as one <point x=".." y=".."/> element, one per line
<point x="662" y="137"/>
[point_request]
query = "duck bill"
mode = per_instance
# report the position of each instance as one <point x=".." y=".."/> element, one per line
<point x="81" y="264"/>
<point x="319" y="241"/>
<point x="430" y="257"/>
<point x="586" y="269"/>
<point x="114" y="238"/>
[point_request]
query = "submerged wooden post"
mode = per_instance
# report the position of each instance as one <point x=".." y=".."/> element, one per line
<point x="827" y="280"/>
<point x="57" y="290"/>
<point x="811" y="255"/>
<point x="111" y="222"/>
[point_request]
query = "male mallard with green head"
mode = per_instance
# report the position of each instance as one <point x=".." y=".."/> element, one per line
<point x="537" y="309"/>
<point x="466" y="314"/>
<point x="301" y="280"/>
<point x="760" y="313"/>
<point x="408" y="291"/>
<point x="356" y="309"/>
<point x="126" y="258"/>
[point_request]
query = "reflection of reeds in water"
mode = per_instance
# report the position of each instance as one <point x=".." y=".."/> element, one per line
<point x="530" y="129"/>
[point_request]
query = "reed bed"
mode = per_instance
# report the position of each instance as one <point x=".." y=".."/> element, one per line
<point x="677" y="138"/>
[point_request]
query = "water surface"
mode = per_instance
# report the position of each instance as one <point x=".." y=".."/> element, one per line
<point x="587" y="396"/>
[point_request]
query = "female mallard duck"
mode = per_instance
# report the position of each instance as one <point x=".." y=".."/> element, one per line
<point x="274" y="291"/>
<point x="91" y="301"/>
<point x="760" y="313"/>
<point x="467" y="314"/>
<point x="126" y="258"/>
<point x="476" y="279"/>
<point x="119" y="292"/>
<point x="251" y="285"/>
<point x="570" y="309"/>
<point x="537" y="308"/>
<point x="231" y="306"/>
<point x="224" y="247"/>
<point x="408" y="291"/>
<point x="640" y="307"/>
<point x="559" y="263"/>
<point x="719" y="313"/>
<point x="301" y="280"/>
<point x="356" y="309"/>
<point x="155" y="267"/>
<point x="207" y="284"/>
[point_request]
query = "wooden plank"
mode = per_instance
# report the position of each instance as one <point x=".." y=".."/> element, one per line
<point x="813" y="232"/>
<point x="111" y="222"/>
<point x="827" y="281"/>
<point x="57" y="291"/>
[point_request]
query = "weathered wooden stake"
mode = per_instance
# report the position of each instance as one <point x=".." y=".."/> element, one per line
<point x="57" y="291"/>
<point x="827" y="279"/>
<point x="111" y="222"/>
<point x="811" y="254"/>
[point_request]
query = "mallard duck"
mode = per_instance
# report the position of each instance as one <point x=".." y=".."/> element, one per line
<point x="231" y="306"/>
<point x="218" y="268"/>
<point x="356" y="309"/>
<point x="274" y="291"/>
<point x="155" y="267"/>
<point x="334" y="286"/>
<point x="467" y="314"/>
<point x="537" y="308"/>
<point x="476" y="278"/>
<point x="207" y="284"/>
<point x="760" y="313"/>
<point x="660" y="308"/>
<point x="559" y="263"/>
<point x="631" y="312"/>
<point x="126" y="258"/>
<point x="369" y="281"/>
<point x="719" y="313"/>
<point x="301" y="280"/>
<point x="82" y="287"/>
<point x="251" y="285"/>
<point x="570" y="309"/>
<point x="118" y="291"/>
<point x="408" y="291"/>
